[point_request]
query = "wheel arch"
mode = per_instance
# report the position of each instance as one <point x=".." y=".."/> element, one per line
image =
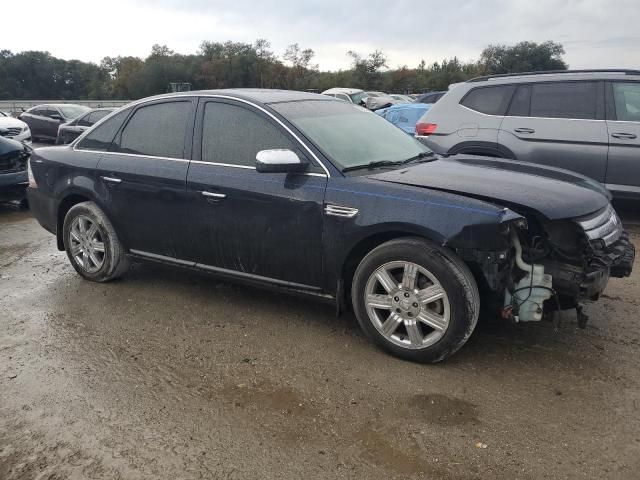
<point x="70" y="199"/>
<point x="360" y="248"/>
<point x="488" y="149"/>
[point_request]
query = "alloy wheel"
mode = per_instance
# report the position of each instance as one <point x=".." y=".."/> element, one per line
<point x="407" y="304"/>
<point x="86" y="244"/>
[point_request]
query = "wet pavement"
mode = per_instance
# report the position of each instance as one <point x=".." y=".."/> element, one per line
<point x="171" y="374"/>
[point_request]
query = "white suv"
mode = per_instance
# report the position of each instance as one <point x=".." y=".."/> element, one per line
<point x="352" y="95"/>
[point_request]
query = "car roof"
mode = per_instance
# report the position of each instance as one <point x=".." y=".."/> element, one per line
<point x="260" y="95"/>
<point x="557" y="75"/>
<point x="59" y="105"/>
<point x="348" y="91"/>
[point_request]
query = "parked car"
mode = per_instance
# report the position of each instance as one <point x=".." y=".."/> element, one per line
<point x="405" y="116"/>
<point x="319" y="197"/>
<point x="44" y="120"/>
<point x="13" y="128"/>
<point x="68" y="132"/>
<point x="13" y="169"/>
<point x="401" y="98"/>
<point x="585" y="121"/>
<point x="351" y="95"/>
<point x="430" y="97"/>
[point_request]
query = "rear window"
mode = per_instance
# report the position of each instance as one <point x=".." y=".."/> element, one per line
<point x="489" y="100"/>
<point x="100" y="138"/>
<point x="577" y="100"/>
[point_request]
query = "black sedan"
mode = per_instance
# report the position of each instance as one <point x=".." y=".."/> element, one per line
<point x="311" y="195"/>
<point x="44" y="120"/>
<point x="68" y="132"/>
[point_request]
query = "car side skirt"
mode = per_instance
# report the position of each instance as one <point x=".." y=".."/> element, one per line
<point x="237" y="276"/>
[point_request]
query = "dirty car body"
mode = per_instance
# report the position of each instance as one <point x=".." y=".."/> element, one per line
<point x="13" y="169"/>
<point x="287" y="190"/>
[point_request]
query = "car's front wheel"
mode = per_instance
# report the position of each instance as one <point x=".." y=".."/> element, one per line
<point x="416" y="300"/>
<point x="92" y="245"/>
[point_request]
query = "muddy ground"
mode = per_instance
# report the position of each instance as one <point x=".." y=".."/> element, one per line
<point x="171" y="374"/>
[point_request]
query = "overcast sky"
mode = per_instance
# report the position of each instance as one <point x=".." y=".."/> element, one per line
<point x="595" y="33"/>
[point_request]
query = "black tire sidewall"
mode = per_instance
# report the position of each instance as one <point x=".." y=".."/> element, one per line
<point x="89" y="209"/>
<point x="462" y="319"/>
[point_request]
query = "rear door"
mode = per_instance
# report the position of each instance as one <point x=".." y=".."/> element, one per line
<point x="623" y="123"/>
<point x="264" y="226"/>
<point x="51" y="121"/>
<point x="144" y="175"/>
<point x="561" y="124"/>
<point x="35" y="119"/>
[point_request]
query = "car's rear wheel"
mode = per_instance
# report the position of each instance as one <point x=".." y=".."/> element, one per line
<point x="92" y="244"/>
<point x="416" y="300"/>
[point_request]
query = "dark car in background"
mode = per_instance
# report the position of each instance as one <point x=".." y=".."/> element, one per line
<point x="44" y="120"/>
<point x="587" y="121"/>
<point x="13" y="169"/>
<point x="68" y="132"/>
<point x="320" y="197"/>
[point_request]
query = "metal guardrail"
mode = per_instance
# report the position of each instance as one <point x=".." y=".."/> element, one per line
<point x="16" y="106"/>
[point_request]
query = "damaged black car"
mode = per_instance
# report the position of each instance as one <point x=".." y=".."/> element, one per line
<point x="13" y="170"/>
<point x="314" y="196"/>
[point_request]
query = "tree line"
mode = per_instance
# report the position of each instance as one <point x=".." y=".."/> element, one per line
<point x="39" y="75"/>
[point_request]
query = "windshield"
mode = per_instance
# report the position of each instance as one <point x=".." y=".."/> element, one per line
<point x="73" y="111"/>
<point x="358" y="97"/>
<point x="349" y="135"/>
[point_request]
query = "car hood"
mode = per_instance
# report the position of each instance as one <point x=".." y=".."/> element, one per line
<point x="9" y="122"/>
<point x="553" y="192"/>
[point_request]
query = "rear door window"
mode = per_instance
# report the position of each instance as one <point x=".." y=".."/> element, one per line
<point x="577" y="100"/>
<point x="626" y="96"/>
<point x="157" y="130"/>
<point x="489" y="100"/>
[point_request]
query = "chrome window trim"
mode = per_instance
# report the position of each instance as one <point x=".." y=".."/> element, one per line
<point x="132" y="155"/>
<point x="172" y="96"/>
<point x="246" y="167"/>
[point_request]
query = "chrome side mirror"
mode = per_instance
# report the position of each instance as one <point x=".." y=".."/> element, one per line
<point x="279" y="161"/>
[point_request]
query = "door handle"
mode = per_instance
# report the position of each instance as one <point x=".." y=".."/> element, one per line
<point x="625" y="136"/>
<point x="111" y="179"/>
<point x="213" y="195"/>
<point x="524" y="130"/>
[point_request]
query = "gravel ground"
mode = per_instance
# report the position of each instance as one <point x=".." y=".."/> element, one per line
<point x="171" y="374"/>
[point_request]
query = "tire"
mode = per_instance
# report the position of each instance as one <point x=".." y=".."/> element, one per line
<point x="425" y="307"/>
<point x="92" y="245"/>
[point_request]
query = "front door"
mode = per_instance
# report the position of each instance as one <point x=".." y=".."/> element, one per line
<point x="623" y="122"/>
<point x="144" y="176"/>
<point x="263" y="226"/>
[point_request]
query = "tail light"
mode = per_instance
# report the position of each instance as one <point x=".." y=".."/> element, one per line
<point x="425" y="129"/>
<point x="32" y="180"/>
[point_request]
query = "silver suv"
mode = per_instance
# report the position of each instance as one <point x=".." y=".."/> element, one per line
<point x="587" y="121"/>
